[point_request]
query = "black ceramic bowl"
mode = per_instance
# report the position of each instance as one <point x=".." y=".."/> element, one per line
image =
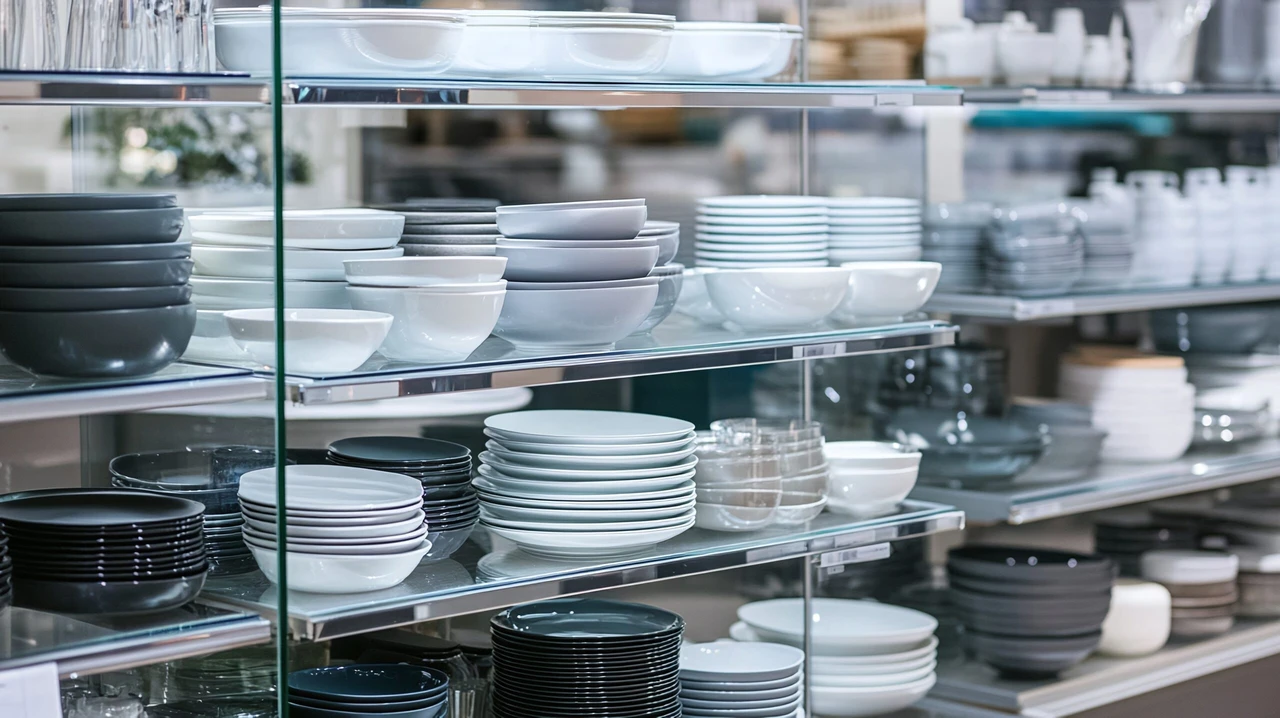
<point x="91" y="226"/>
<point x="112" y="343"/>
<point x="1009" y="563"/>
<point x="405" y="451"/>
<point x="1031" y="657"/>
<point x="90" y="275"/>
<point x="83" y="201"/>
<point x="82" y="300"/>
<point x="103" y="598"/>
<point x="95" y="253"/>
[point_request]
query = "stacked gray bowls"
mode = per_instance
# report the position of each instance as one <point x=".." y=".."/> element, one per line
<point x="1033" y="250"/>
<point x="953" y="236"/>
<point x="1075" y="444"/>
<point x="1030" y="613"/>
<point x="462" y="227"/>
<point x="93" y="285"/>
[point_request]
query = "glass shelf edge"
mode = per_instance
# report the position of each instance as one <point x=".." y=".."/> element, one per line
<point x="1122" y="100"/>
<point x="990" y="306"/>
<point x="91" y="400"/>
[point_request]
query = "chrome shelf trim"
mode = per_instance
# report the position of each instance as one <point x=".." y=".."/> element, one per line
<point x="124" y="655"/>
<point x="131" y="397"/>
<point x="1113" y="485"/>
<point x="1078" y="99"/>
<point x="131" y="89"/>
<point x="517" y="373"/>
<point x="989" y="306"/>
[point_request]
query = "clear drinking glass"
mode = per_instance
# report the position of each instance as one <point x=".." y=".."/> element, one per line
<point x="30" y="36"/>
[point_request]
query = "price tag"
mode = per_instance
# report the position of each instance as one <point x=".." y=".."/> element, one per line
<point x="862" y="554"/>
<point x="903" y="100"/>
<point x="30" y="692"/>
<point x="816" y="351"/>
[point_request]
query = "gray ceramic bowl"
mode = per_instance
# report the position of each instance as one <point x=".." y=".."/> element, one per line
<point x="91" y="226"/>
<point x="1031" y="657"/>
<point x="1072" y="453"/>
<point x="113" y="343"/>
<point x="96" y="253"/>
<point x="1030" y="565"/>
<point x="1030" y="411"/>
<point x="76" y="300"/>
<point x="964" y="447"/>
<point x="83" y="201"/>
<point x="1221" y="330"/>
<point x="1023" y="589"/>
<point x="92" y="275"/>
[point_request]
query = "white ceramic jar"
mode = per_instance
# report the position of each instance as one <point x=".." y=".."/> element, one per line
<point x="1247" y="187"/>
<point x="1069" y="45"/>
<point x="1139" y="621"/>
<point x="959" y="54"/>
<point x="1165" y="239"/>
<point x="1214" y="224"/>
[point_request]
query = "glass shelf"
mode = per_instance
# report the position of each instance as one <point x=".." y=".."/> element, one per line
<point x="484" y="577"/>
<point x="24" y="397"/>
<point x="1101" y="681"/>
<point x="678" y="344"/>
<point x="1123" y="100"/>
<point x="1016" y="309"/>
<point x="1112" y="485"/>
<point x="89" y="645"/>
<point x="131" y="89"/>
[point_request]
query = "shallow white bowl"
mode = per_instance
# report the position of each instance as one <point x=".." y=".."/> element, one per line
<point x="763" y="202"/>
<point x="393" y="528"/>
<point x="321" y="573"/>
<point x="334" y="517"/>
<point x="423" y="271"/>
<point x="886" y="291"/>
<point x="849" y="628"/>
<point x="745" y="698"/>
<point x="574" y="264"/>
<point x="559" y="448"/>
<point x="553" y="487"/>
<point x="432" y="324"/>
<point x="302" y="224"/>
<point x="766" y="709"/>
<point x="777" y="298"/>
<point x="727" y="662"/>
<point x="576" y="525"/>
<point x="875" y="680"/>
<point x="260" y="293"/>
<point x="352" y="243"/>
<point x="595" y="223"/>
<point x="587" y="517"/>
<point x="536" y="496"/>
<point x="869" y="455"/>
<point x="858" y="702"/>
<point x="320" y="341"/>
<point x="256" y="263"/>
<point x="557" y="427"/>
<point x="588" y="544"/>
<point x="904" y="660"/>
<point x="340" y="547"/>
<point x="882" y="665"/>
<point x="336" y="490"/>
<point x="625" y="461"/>
<point x="574" y="317"/>
<point x="596" y="473"/>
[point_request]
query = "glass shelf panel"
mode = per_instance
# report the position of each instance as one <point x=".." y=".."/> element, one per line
<point x="130" y="89"/>
<point x="1005" y="308"/>
<point x="1199" y="99"/>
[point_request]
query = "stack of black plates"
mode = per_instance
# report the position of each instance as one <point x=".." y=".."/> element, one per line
<point x="586" y="658"/>
<point x="104" y="551"/>
<point x="1125" y="542"/>
<point x="444" y="468"/>
<point x="374" y="690"/>
<point x="6" y="572"/>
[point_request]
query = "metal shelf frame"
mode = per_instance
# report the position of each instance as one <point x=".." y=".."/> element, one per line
<point x="1016" y="309"/>
<point x="1123" y="100"/>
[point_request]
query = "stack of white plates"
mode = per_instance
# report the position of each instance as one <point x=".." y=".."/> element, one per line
<point x="348" y="530"/>
<point x="586" y="483"/>
<point x="868" y="658"/>
<point x="761" y="680"/>
<point x="762" y="231"/>
<point x="875" y="229"/>
<point x="448" y="227"/>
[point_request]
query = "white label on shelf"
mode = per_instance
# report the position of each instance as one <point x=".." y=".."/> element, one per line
<point x="902" y="100"/>
<point x="861" y="554"/>
<point x="814" y="351"/>
<point x="30" y="692"/>
<point x="1047" y="307"/>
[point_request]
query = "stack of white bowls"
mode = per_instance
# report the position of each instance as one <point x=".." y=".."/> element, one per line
<point x="234" y="259"/>
<point x="586" y="484"/>
<point x="1143" y="402"/>
<point x="444" y="307"/>
<point x="874" y="229"/>
<point x="348" y="530"/>
<point x="760" y="680"/>
<point x="1251" y="231"/>
<point x="579" y="273"/>
<point x="868" y="658"/>
<point x="869" y="478"/>
<point x="762" y="231"/>
<point x="462" y="227"/>
<point x="1166" y="235"/>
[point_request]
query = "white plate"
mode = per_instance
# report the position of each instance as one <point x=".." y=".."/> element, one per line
<point x="771" y="710"/>
<point x="726" y="661"/>
<point x="882" y="680"/>
<point x="341" y="547"/>
<point x="528" y="447"/>
<point x="883" y="222"/>
<point x="893" y="254"/>
<point x="295" y="517"/>
<point x="589" y="544"/>
<point x="569" y="426"/>
<point x="760" y="256"/>
<point x="259" y="263"/>
<point x="746" y="214"/>
<point x="705" y="247"/>
<point x="765" y="238"/>
<point x="537" y="497"/>
<point x="585" y="517"/>
<point x="568" y="474"/>
<point x="763" y="201"/>
<point x="236" y="240"/>
<point x="737" y="220"/>
<point x="784" y="229"/>
<point x="872" y="213"/>
<point x="333" y="488"/>
<point x="849" y="628"/>
<point x="621" y="486"/>
<point x="552" y="461"/>
<point x="748" y="264"/>
<point x="393" y="528"/>
<point x="578" y="526"/>
<point x="839" y="203"/>
<point x="788" y="683"/>
<point x="745" y="697"/>
<point x="301" y="224"/>
<point x="926" y="652"/>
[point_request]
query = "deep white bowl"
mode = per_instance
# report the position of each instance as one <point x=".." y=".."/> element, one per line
<point x="869" y="455"/>
<point x="576" y="264"/>
<point x="574" y="317"/>
<point x="259" y="263"/>
<point x="319" y="341"/>
<point x="221" y="293"/>
<point x="423" y="271"/>
<point x="592" y="222"/>
<point x="588" y="544"/>
<point x="322" y="573"/>
<point x="873" y="701"/>
<point x="432" y="324"/>
<point x="886" y="291"/>
<point x="778" y="298"/>
<point x="854" y="491"/>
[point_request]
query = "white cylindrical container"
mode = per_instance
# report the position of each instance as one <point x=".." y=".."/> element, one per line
<point x="1139" y="621"/>
<point x="1214" y="224"/>
<point x="1246" y="187"/>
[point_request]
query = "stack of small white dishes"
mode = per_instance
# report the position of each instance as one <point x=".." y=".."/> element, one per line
<point x="586" y="484"/>
<point x="773" y="298"/>
<point x="761" y="680"/>
<point x="667" y="235"/>
<point x="1143" y="402"/>
<point x="348" y="530"/>
<point x="448" y="227"/>
<point x="762" y="231"/>
<point x="317" y="341"/>
<point x="874" y="229"/>
<point x="579" y="273"/>
<point x="885" y="292"/>
<point x="444" y="307"/>
<point x="868" y="658"/>
<point x="738" y="51"/>
<point x="869" y="478"/>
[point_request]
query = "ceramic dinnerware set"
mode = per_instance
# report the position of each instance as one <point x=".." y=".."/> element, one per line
<point x="348" y="530"/>
<point x="765" y="680"/>
<point x="369" y="689"/>
<point x="874" y="229"/>
<point x="93" y="285"/>
<point x="586" y="484"/>
<point x="761" y="231"/>
<point x="868" y="658"/>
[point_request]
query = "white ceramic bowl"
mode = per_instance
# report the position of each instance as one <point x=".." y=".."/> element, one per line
<point x="588" y="544"/>
<point x="886" y="291"/>
<point x="1189" y="567"/>
<point x="873" y="701"/>
<point x="423" y="271"/>
<point x="219" y="292"/>
<point x="319" y="341"/>
<point x="259" y="263"/>
<point x="743" y="698"/>
<point x="826" y="667"/>
<point x="574" y="317"/>
<point x="874" y="680"/>
<point x="212" y="340"/>
<point x="584" y="426"/>
<point x="729" y="50"/>
<point x="574" y="264"/>
<point x="668" y="246"/>
<point x="321" y="573"/>
<point x="586" y="517"/>
<point x="433" y="324"/>
<point x="855" y="491"/>
<point x="1139" y="621"/>
<point x="729" y="662"/>
<point x="849" y="628"/>
<point x="777" y="298"/>
<point x="335" y="490"/>
<point x="869" y="455"/>
<point x="591" y="222"/>
<point x="576" y="525"/>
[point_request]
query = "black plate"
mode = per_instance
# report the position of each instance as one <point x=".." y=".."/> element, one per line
<point x="570" y="690"/>
<point x="587" y="620"/>
<point x="195" y="569"/>
<point x="157" y="531"/>
<point x="619" y="651"/>
<point x="96" y="508"/>
<point x="94" y="253"/>
<point x="601" y="670"/>
<point x="403" y="467"/>
<point x="84" y="200"/>
<point x="26" y="541"/>
<point x="115" y="598"/>
<point x="514" y="706"/>
<point x="537" y="660"/>
<point x="399" y="450"/>
<point x="585" y="644"/>
<point x="21" y="551"/>
<point x="167" y="561"/>
<point x="369" y="683"/>
<point x="91" y="226"/>
<point x="591" y="706"/>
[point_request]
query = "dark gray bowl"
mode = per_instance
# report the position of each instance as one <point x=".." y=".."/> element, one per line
<point x="121" y="598"/>
<point x="1031" y="657"/>
<point x="196" y="474"/>
<point x="1029" y="565"/>
<point x="96" y="253"/>
<point x="112" y="343"/>
<point x="94" y="275"/>
<point x="1032" y="625"/>
<point x="977" y="584"/>
<point x="79" y="300"/>
<point x="1064" y="603"/>
<point x="83" y="201"/>
<point x="1222" y="330"/>
<point x="91" y="226"/>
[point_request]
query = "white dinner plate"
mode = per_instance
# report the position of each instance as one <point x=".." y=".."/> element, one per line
<point x="299" y="517"/>
<point x="333" y="488"/>
<point x="741" y="229"/>
<point x="545" y="488"/>
<point x="589" y="544"/>
<point x="553" y="461"/>
<point x="586" y="517"/>
<point x="765" y="238"/>
<point x="713" y="247"/>
<point x="863" y="229"/>
<point x="537" y="497"/>
<point x="801" y="215"/>
<point x="909" y="253"/>
<point x="732" y="220"/>
<point x="839" y="203"/>
<point x="570" y="426"/>
<point x="384" y="549"/>
<point x="237" y="240"/>
<point x="578" y="526"/>
<point x="392" y="528"/>
<point x="734" y="662"/>
<point x="528" y="447"/>
<point x="405" y="539"/>
<point x="519" y="471"/>
<point x="760" y="256"/>
<point x="763" y="201"/>
<point x="749" y="264"/>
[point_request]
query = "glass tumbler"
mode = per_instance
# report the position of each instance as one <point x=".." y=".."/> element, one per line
<point x="30" y="35"/>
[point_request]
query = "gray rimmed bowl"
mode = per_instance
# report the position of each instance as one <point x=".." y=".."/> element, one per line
<point x="84" y="201"/>
<point x="96" y="253"/>
<point x="964" y="447"/>
<point x="91" y="226"/>
<point x="96" y="275"/>
<point x="72" y="300"/>
<point x="1031" y="657"/>
<point x="110" y="343"/>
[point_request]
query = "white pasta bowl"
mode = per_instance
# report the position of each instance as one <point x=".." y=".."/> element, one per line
<point x="869" y="455"/>
<point x="572" y="222"/>
<point x="320" y="341"/>
<point x="576" y="264"/>
<point x="886" y="291"/>
<point x="777" y="298"/>
<point x="869" y="701"/>
<point x="423" y="271"/>
<point x="324" y="573"/>
<point x="585" y="317"/>
<point x="439" y="323"/>
<point x="588" y="544"/>
<point x="228" y="293"/>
